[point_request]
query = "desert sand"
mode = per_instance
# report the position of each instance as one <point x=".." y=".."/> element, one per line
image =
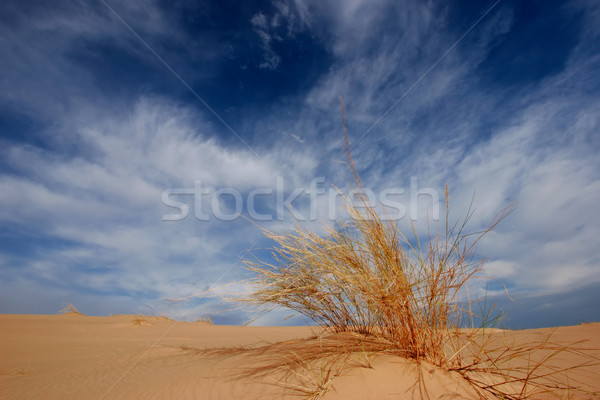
<point x="71" y="356"/>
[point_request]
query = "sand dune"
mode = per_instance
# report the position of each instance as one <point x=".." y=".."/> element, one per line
<point x="131" y="357"/>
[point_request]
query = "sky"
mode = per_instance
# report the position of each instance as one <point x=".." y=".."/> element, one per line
<point x="144" y="144"/>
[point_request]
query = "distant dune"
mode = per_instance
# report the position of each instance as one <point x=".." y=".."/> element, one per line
<point x="73" y="356"/>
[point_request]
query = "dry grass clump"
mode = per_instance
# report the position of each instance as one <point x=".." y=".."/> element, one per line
<point x="205" y="320"/>
<point x="139" y="320"/>
<point x="365" y="276"/>
<point x="69" y="308"/>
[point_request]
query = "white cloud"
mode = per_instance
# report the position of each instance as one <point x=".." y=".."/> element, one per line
<point x="271" y="59"/>
<point x="108" y="204"/>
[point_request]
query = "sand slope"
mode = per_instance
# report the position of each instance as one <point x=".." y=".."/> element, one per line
<point x="129" y="357"/>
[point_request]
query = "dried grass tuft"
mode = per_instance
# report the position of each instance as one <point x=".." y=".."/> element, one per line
<point x="364" y="276"/>
<point x="69" y="308"/>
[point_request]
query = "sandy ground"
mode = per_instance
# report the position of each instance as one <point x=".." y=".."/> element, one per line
<point x="131" y="357"/>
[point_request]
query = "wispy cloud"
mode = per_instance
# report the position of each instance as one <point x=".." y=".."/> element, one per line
<point x="270" y="59"/>
<point x="106" y="203"/>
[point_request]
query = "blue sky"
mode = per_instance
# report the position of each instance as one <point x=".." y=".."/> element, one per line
<point x="104" y="105"/>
